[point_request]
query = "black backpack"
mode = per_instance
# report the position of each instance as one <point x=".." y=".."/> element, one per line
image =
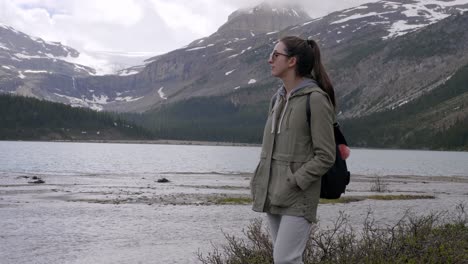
<point x="336" y="179"/>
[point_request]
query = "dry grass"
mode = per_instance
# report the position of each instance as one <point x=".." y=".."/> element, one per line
<point x="341" y="200"/>
<point x="434" y="238"/>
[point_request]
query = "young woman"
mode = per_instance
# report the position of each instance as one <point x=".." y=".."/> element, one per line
<point x="286" y="183"/>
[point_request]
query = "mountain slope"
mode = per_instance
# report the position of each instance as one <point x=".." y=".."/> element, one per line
<point x="381" y="56"/>
<point x="25" y="56"/>
<point x="377" y="76"/>
<point x="436" y="120"/>
<point x="417" y="97"/>
<point x="208" y="68"/>
<point x="234" y="58"/>
<point x="24" y="118"/>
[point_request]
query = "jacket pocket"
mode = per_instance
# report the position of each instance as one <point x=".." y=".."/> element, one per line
<point x="285" y="192"/>
<point x="253" y="184"/>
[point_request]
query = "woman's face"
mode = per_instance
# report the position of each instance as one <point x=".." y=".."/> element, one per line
<point x="279" y="60"/>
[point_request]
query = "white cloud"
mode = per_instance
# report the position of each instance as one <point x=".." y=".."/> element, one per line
<point x="121" y="12"/>
<point x="178" y="16"/>
<point x="125" y="26"/>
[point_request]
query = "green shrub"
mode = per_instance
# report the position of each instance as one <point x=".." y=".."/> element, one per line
<point x="434" y="238"/>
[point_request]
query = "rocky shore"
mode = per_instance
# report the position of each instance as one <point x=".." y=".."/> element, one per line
<point x="137" y="219"/>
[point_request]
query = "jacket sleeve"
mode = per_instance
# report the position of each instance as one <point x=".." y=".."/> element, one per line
<point x="322" y="116"/>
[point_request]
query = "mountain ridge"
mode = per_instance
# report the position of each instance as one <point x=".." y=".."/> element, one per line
<point x="206" y="68"/>
<point x="381" y="56"/>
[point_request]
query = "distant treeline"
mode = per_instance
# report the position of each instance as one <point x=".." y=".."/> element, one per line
<point x="206" y="119"/>
<point x="24" y="118"/>
<point x="415" y="125"/>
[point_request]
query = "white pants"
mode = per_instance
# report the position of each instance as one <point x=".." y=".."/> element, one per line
<point x="290" y="235"/>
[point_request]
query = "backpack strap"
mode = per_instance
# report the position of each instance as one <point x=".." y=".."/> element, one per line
<point x="308" y="109"/>
<point x="339" y="138"/>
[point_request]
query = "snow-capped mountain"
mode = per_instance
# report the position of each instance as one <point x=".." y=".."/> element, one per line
<point x="221" y="65"/>
<point x="389" y="19"/>
<point x="33" y="67"/>
<point x="233" y="61"/>
<point x="28" y="55"/>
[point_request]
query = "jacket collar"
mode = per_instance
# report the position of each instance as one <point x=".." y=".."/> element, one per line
<point x="299" y="89"/>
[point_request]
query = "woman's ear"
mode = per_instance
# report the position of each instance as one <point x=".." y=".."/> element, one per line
<point x="292" y="61"/>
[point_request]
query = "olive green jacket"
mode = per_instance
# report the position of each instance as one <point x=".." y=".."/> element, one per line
<point x="294" y="156"/>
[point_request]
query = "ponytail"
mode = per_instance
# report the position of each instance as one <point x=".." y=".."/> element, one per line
<point x="319" y="73"/>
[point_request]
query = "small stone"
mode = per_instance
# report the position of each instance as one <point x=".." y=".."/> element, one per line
<point x="37" y="181"/>
<point x="163" y="180"/>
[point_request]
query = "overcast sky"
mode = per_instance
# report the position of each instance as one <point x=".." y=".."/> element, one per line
<point x="135" y="26"/>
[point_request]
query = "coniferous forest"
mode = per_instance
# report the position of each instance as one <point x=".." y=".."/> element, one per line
<point x="24" y="118"/>
<point x="218" y="119"/>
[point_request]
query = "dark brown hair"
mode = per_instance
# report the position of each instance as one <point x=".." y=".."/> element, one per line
<point x="309" y="62"/>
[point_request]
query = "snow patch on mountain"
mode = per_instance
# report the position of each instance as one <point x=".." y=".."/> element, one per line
<point x="162" y="94"/>
<point x="77" y="102"/>
<point x="359" y="16"/>
<point x="3" y="47"/>
<point x="127" y="99"/>
<point x="421" y="10"/>
<point x="229" y="72"/>
<point x="196" y="48"/>
<point x="32" y="71"/>
<point x="101" y="99"/>
<point x="400" y="28"/>
<point x="128" y="72"/>
<point x="226" y="50"/>
<point x="356" y="8"/>
<point x="310" y="21"/>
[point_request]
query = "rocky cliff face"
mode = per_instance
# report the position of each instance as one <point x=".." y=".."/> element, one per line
<point x="260" y="20"/>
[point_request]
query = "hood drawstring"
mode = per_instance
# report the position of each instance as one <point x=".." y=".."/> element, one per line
<point x="280" y="95"/>
<point x="279" y="98"/>
<point x="275" y="108"/>
<point x="282" y="115"/>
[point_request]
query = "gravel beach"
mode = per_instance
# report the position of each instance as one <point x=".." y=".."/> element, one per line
<point x="130" y="219"/>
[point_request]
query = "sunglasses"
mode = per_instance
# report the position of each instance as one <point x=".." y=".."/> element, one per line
<point x="276" y="54"/>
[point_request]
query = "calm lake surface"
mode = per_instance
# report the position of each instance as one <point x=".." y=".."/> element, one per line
<point x="101" y="202"/>
<point x="68" y="159"/>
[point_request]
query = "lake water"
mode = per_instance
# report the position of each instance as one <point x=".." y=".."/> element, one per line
<point x="46" y="158"/>
<point x="101" y="202"/>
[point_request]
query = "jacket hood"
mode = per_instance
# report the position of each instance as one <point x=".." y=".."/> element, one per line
<point x="299" y="89"/>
